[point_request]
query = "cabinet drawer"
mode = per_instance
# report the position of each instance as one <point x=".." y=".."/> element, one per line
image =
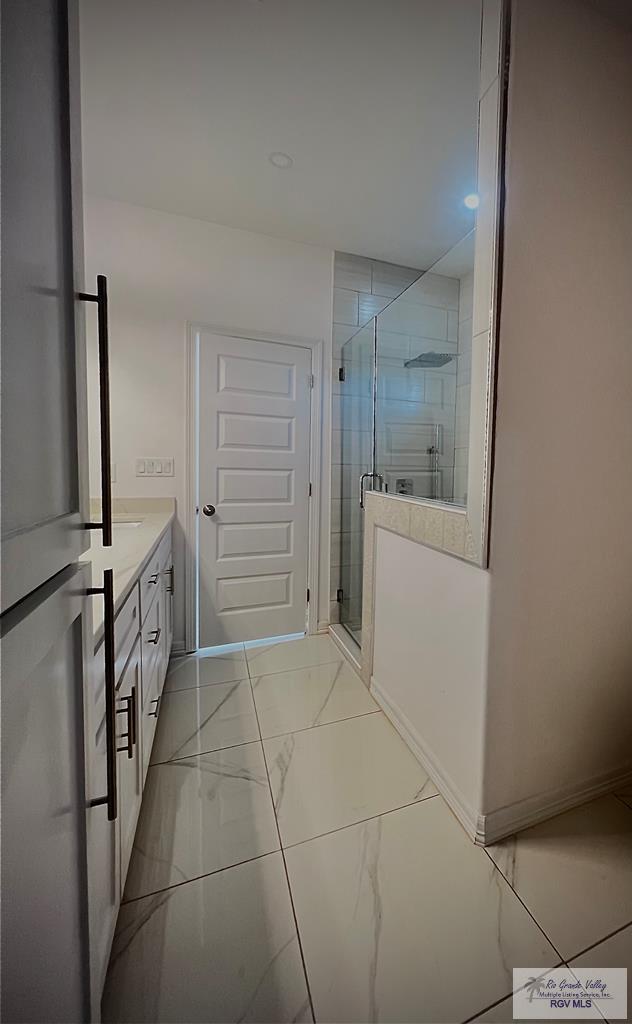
<point x="149" y="584"/>
<point x="150" y="579"/>
<point x="129" y="760"/>
<point x="164" y="550"/>
<point x="150" y="709"/>
<point x="126" y="629"/>
<point x="150" y="651"/>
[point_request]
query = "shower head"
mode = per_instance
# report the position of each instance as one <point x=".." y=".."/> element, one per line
<point x="430" y="360"/>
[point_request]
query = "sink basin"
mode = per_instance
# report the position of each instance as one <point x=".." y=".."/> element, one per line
<point x="125" y="524"/>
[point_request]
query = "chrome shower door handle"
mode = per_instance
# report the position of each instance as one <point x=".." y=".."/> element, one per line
<point x="373" y="476"/>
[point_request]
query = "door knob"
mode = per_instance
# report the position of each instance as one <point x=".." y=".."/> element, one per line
<point x="209" y="510"/>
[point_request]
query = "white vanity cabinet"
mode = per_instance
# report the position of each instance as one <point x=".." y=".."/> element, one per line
<point x="129" y="756"/>
<point x="143" y="635"/>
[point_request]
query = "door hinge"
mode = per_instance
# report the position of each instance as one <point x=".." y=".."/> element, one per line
<point x="308" y="595"/>
<point x="339" y="595"/>
<point x="310" y="490"/>
<point x="311" y="380"/>
<point x="341" y="373"/>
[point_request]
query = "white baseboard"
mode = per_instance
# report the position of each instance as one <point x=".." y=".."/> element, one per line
<point x="484" y="829"/>
<point x="532" y="810"/>
<point x="465" y="813"/>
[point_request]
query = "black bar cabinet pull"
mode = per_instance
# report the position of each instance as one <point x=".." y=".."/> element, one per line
<point x="101" y="299"/>
<point x="110" y="693"/>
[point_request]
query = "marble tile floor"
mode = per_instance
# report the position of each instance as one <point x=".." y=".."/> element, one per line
<point x="293" y="862"/>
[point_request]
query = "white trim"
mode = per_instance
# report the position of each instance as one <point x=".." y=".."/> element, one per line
<point x="346" y="645"/>
<point x="469" y="818"/>
<point x="534" y="809"/>
<point x="190" y="517"/>
<point x="317" y="346"/>
<point x="484" y="829"/>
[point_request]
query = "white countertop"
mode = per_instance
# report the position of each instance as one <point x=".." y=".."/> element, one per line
<point x="131" y="548"/>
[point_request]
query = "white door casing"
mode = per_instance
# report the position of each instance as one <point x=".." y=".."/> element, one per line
<point x="253" y="466"/>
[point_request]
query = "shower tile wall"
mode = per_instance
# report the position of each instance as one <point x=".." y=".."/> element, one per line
<point x="362" y="288"/>
<point x="463" y="383"/>
<point x="413" y="402"/>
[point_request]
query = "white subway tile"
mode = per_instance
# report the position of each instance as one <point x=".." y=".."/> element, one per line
<point x="437" y="290"/>
<point x="352" y="272"/>
<point x="341" y="334"/>
<point x="453" y="325"/>
<point x="484" y="258"/>
<point x="369" y="306"/>
<point x="345" y="306"/>
<point x="391" y="280"/>
<point x="466" y="297"/>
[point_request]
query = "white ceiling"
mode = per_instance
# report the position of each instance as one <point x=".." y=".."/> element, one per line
<point x="375" y="101"/>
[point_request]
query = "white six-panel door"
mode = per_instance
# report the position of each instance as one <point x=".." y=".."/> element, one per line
<point x="253" y="468"/>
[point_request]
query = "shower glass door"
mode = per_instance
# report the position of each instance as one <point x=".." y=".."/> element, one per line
<point x="357" y="450"/>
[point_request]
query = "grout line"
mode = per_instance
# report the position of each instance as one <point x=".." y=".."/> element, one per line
<point x="306" y="668"/>
<point x="623" y="800"/>
<point x="599" y="941"/>
<point x="197" y="878"/>
<point x="361" y="821"/>
<point x="287" y="876"/>
<point x="519" y="897"/>
<point x="203" y="686"/>
<point x="203" y="754"/>
<point x="299" y="668"/>
<point x="322" y="725"/>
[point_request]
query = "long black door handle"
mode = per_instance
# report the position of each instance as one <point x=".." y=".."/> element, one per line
<point x="101" y="299"/>
<point x="110" y="694"/>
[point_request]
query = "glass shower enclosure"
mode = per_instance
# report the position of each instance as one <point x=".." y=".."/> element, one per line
<point x="357" y="459"/>
<point x="404" y="410"/>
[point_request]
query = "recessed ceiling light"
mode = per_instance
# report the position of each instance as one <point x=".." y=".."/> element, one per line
<point x="471" y="201"/>
<point x="282" y="160"/>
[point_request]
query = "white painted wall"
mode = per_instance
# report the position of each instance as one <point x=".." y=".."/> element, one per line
<point x="163" y="271"/>
<point x="430" y="657"/>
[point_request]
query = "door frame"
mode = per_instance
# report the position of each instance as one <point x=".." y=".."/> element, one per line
<point x="316" y="346"/>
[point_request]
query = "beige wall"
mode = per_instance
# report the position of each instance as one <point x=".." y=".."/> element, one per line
<point x="547" y="720"/>
<point x="163" y="271"/>
<point x="560" y="666"/>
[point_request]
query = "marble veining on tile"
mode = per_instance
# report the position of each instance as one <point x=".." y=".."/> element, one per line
<point x="222" y="948"/>
<point x="325" y="778"/>
<point x="574" y="872"/>
<point x="615" y="951"/>
<point x="289" y="654"/>
<point x="201" y="814"/>
<point x="305" y="698"/>
<point x="201" y="670"/>
<point x="411" y="905"/>
<point x="198" y="721"/>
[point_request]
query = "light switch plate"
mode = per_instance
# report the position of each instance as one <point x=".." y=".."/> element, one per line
<point x="153" y="466"/>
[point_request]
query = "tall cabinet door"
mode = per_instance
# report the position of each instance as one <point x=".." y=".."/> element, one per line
<point x="44" y="451"/>
<point x="45" y="961"/>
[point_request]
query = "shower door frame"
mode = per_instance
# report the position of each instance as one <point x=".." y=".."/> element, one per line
<point x="371" y="475"/>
